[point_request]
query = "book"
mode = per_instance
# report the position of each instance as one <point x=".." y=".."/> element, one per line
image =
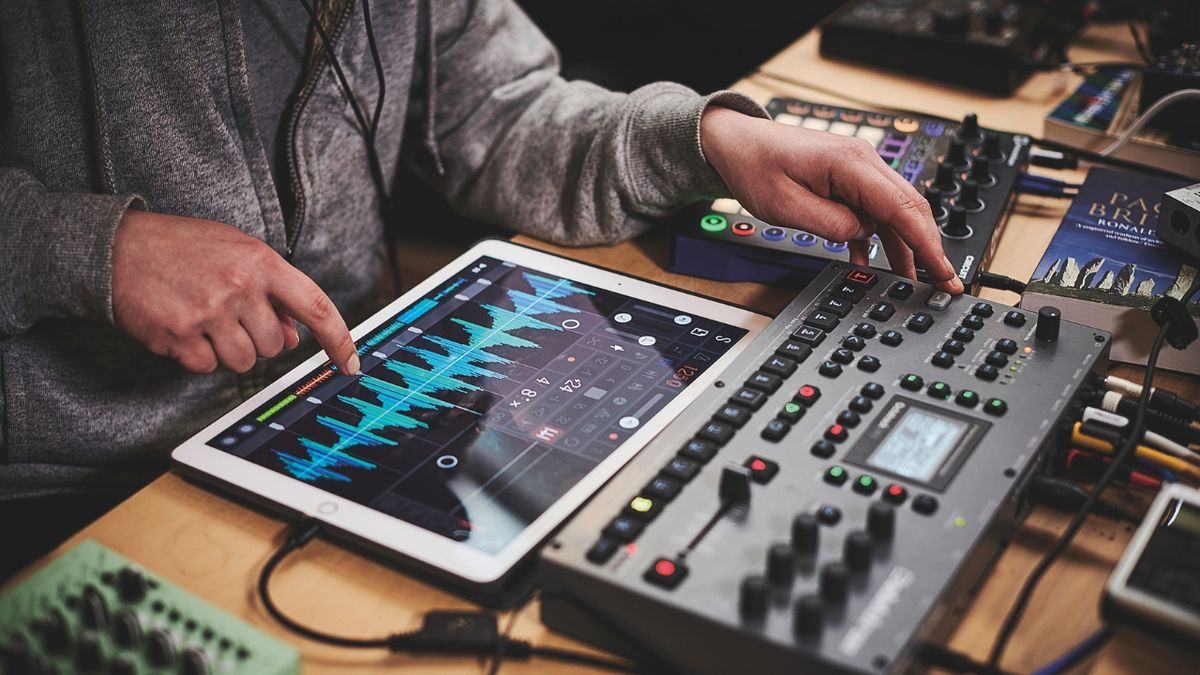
<point x="1102" y="107"/>
<point x="1105" y="266"/>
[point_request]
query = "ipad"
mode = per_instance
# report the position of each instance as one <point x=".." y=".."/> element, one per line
<point x="493" y="400"/>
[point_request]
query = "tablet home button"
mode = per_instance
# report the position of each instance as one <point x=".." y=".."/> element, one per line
<point x="327" y="507"/>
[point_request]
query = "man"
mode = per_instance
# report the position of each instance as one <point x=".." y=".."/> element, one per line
<point x="182" y="183"/>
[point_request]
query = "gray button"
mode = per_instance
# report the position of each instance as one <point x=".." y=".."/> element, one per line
<point x="938" y="300"/>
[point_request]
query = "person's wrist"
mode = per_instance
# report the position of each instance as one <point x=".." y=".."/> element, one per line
<point x="716" y="126"/>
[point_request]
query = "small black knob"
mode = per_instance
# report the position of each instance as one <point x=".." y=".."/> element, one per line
<point x="807" y="615"/>
<point x="933" y="195"/>
<point x="881" y="520"/>
<point x="753" y="595"/>
<point x="127" y="630"/>
<point x="17" y="658"/>
<point x="981" y="173"/>
<point x="956" y="154"/>
<point x="735" y="484"/>
<point x="968" y="131"/>
<point x="970" y="196"/>
<point x="131" y="584"/>
<point x="93" y="609"/>
<point x="89" y="654"/>
<point x="122" y="664"/>
<point x="56" y="632"/>
<point x="781" y="563"/>
<point x="993" y="22"/>
<point x="835" y="582"/>
<point x="944" y="179"/>
<point x="857" y="551"/>
<point x="194" y="662"/>
<point x="805" y="533"/>
<point x="1048" y="322"/>
<point x="160" y="648"/>
<point x="956" y="225"/>
<point x="991" y="148"/>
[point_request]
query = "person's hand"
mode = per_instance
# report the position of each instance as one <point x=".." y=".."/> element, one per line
<point x="205" y="294"/>
<point x="833" y="186"/>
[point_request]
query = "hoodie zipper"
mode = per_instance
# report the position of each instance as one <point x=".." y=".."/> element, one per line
<point x="293" y="225"/>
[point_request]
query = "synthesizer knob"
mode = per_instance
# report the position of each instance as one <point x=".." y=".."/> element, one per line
<point x="881" y="520"/>
<point x="160" y="648"/>
<point x="956" y="154"/>
<point x="991" y="150"/>
<point x="807" y="615"/>
<point x="835" y="582"/>
<point x="131" y="584"/>
<point x="858" y="550"/>
<point x="122" y="664"/>
<point x="969" y="199"/>
<point x="89" y="654"/>
<point x="968" y="131"/>
<point x="735" y="484"/>
<point x="944" y="179"/>
<point x="956" y="226"/>
<point x="18" y="659"/>
<point x="934" y="196"/>
<point x="951" y="23"/>
<point x="127" y="630"/>
<point x="1048" y="322"/>
<point x="981" y="173"/>
<point x="753" y="596"/>
<point x="93" y="609"/>
<point x="55" y="632"/>
<point x="195" y="662"/>
<point x="993" y="22"/>
<point x="781" y="563"/>
<point x="805" y="533"/>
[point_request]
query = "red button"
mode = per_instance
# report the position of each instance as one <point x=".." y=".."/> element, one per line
<point x="758" y="465"/>
<point x="895" y="493"/>
<point x="743" y="229"/>
<point x="807" y="395"/>
<point x="664" y="568"/>
<point x="836" y="432"/>
<point x="860" y="277"/>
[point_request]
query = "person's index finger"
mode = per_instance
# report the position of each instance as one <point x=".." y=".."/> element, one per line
<point x="304" y="301"/>
<point x="876" y="191"/>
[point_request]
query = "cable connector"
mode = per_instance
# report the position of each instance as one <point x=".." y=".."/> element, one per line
<point x="999" y="282"/>
<point x="1052" y="159"/>
<point x="1065" y="496"/>
<point x="450" y="632"/>
<point x="1182" y="329"/>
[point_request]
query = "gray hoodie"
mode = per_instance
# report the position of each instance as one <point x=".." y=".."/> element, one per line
<point x="112" y="104"/>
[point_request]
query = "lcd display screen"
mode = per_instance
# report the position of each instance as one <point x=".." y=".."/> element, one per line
<point x="918" y="444"/>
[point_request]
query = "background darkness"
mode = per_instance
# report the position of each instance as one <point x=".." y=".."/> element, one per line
<point x="622" y="44"/>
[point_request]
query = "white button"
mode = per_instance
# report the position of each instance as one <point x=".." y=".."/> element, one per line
<point x="938" y="300"/>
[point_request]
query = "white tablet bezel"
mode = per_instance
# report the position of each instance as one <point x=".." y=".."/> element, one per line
<point x="441" y="553"/>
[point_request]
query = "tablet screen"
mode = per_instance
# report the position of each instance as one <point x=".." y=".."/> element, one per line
<point x="484" y="402"/>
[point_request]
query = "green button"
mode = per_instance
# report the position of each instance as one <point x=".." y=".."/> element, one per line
<point x="836" y="471"/>
<point x="967" y="394"/>
<point x="791" y="408"/>
<point x="866" y="481"/>
<point x="713" y="223"/>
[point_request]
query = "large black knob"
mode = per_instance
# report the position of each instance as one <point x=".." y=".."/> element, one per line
<point x="122" y="664"/>
<point x="753" y="596"/>
<point x="781" y="563"/>
<point x="970" y="196"/>
<point x="956" y="225"/>
<point x="89" y="653"/>
<point x="981" y="173"/>
<point x="160" y="648"/>
<point x="93" y="609"/>
<point x="956" y="155"/>
<point x="944" y="179"/>
<point x="857" y="552"/>
<point x="55" y="631"/>
<point x="131" y="584"/>
<point x="933" y="195"/>
<point x="835" y="582"/>
<point x="127" y="630"/>
<point x="805" y="533"/>
<point x="1048" y="322"/>
<point x="807" y="615"/>
<point x="991" y="149"/>
<point x="194" y="662"/>
<point x="881" y="520"/>
<point x="951" y="23"/>
<point x="968" y="131"/>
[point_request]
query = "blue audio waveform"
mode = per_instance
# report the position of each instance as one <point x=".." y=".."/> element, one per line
<point x="443" y="366"/>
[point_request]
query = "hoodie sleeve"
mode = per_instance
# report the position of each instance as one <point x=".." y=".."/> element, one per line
<point x="56" y="252"/>
<point x="565" y="161"/>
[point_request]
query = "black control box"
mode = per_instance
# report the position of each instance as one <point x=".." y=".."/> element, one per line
<point x="987" y="45"/>
<point x="967" y="172"/>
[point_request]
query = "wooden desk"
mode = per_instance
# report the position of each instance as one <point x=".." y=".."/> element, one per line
<point x="215" y="547"/>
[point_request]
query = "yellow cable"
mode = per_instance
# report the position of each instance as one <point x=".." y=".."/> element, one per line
<point x="1149" y="454"/>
